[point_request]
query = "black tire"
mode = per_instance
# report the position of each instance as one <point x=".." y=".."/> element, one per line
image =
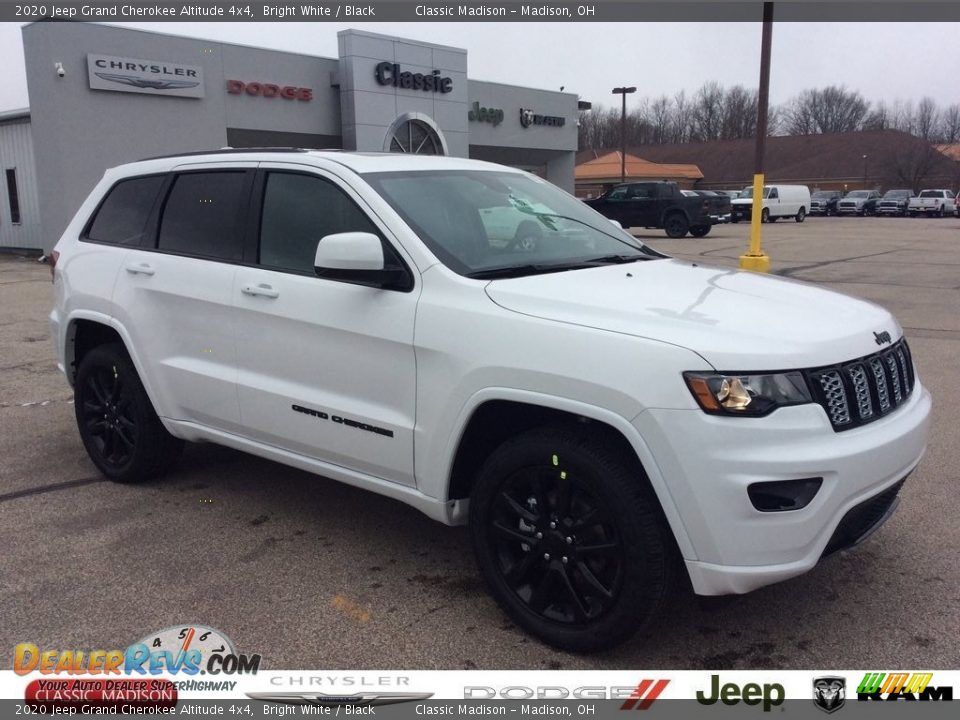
<point x="940" y="211"/>
<point x="801" y="215"/>
<point x="557" y="491"/>
<point x="676" y="225"/>
<point x="913" y="213"/>
<point x="699" y="231"/>
<point x="765" y="215"/>
<point x="128" y="443"/>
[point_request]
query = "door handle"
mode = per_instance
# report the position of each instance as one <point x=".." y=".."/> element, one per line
<point x="261" y="290"/>
<point x="141" y="269"/>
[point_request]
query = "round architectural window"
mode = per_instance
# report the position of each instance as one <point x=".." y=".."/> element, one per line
<point x="415" y="133"/>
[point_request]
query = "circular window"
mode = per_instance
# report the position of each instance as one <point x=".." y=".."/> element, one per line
<point x="415" y="133"/>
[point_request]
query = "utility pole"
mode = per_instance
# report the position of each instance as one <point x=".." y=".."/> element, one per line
<point x="755" y="259"/>
<point x="623" y="92"/>
<point x="864" y="172"/>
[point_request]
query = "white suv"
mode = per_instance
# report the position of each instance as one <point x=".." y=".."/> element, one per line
<point x="607" y="419"/>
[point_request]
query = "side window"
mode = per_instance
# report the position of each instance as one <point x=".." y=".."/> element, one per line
<point x="618" y="193"/>
<point x="122" y="217"/>
<point x="203" y="215"/>
<point x="774" y="193"/>
<point x="299" y="210"/>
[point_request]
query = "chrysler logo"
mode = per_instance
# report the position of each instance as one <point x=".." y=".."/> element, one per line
<point x="882" y="337"/>
<point x="145" y="83"/>
<point x="321" y="699"/>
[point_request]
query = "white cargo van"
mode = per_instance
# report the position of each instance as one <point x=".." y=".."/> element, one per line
<point x="778" y="201"/>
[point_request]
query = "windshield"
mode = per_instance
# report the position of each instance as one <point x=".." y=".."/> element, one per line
<point x="747" y="192"/>
<point x="897" y="194"/>
<point x="480" y="222"/>
<point x="858" y="194"/>
<point x="822" y="195"/>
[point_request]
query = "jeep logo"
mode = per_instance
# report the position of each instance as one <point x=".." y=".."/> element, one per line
<point x="770" y="695"/>
<point x="882" y="337"/>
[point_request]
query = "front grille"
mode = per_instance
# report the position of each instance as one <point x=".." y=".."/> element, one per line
<point x="848" y="205"/>
<point x="861" y="520"/>
<point x="859" y="392"/>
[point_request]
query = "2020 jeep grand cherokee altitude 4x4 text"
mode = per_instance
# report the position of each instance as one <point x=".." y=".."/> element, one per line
<point x="604" y="417"/>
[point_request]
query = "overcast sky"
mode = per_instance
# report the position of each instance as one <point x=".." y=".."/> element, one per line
<point x="883" y="61"/>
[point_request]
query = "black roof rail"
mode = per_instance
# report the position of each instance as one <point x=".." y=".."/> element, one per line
<point x="234" y="151"/>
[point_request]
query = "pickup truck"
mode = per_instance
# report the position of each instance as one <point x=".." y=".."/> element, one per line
<point x="656" y="205"/>
<point x="933" y="202"/>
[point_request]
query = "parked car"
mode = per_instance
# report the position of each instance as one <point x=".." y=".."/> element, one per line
<point x="933" y="202"/>
<point x="719" y="208"/>
<point x="779" y="201"/>
<point x="858" y="202"/>
<point x="608" y="421"/>
<point x="894" y="202"/>
<point x="824" y="202"/>
<point x="655" y="205"/>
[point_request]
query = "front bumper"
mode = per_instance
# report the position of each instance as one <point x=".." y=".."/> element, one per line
<point x="710" y="461"/>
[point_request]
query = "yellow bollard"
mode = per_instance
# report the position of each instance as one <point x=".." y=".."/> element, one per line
<point x="755" y="259"/>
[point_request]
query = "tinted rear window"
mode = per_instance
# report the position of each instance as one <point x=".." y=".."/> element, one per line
<point x="931" y="193"/>
<point x="122" y="216"/>
<point x="202" y="215"/>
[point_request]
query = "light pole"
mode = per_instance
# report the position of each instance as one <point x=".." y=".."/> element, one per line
<point x="755" y="259"/>
<point x="864" y="172"/>
<point x="623" y="92"/>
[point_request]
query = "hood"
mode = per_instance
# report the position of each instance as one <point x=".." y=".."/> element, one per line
<point x="736" y="320"/>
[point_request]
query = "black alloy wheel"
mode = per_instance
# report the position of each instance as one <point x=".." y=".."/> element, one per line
<point x="570" y="539"/>
<point x="118" y="425"/>
<point x="108" y="415"/>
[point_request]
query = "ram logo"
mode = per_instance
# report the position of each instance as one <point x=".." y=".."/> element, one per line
<point x="829" y="693"/>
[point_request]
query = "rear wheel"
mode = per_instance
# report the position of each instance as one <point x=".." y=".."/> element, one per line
<point x="676" y="225"/>
<point x="699" y="231"/>
<point x="570" y="540"/>
<point x="119" y="428"/>
<point x="940" y="211"/>
<point x="801" y="215"/>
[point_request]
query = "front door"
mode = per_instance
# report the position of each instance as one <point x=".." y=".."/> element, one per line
<point x="326" y="368"/>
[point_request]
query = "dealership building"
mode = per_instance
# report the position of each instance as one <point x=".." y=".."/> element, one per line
<point x="104" y="95"/>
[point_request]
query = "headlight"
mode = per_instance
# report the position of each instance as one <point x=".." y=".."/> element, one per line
<point x="747" y="395"/>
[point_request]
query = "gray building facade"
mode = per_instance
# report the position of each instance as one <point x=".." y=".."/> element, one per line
<point x="19" y="210"/>
<point x="103" y="95"/>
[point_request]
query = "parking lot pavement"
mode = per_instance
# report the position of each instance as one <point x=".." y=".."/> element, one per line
<point x="314" y="574"/>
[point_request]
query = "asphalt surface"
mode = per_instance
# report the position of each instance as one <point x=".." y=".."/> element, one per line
<point x="313" y="574"/>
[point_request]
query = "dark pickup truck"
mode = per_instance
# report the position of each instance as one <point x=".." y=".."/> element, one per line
<point x="657" y="205"/>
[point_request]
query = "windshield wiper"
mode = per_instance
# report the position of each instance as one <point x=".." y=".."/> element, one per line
<point x="540" y="269"/>
<point x="618" y="259"/>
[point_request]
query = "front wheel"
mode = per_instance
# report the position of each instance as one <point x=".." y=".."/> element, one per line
<point x="118" y="426"/>
<point x="676" y="225"/>
<point x="571" y="539"/>
<point x="801" y="215"/>
<point x="765" y="215"/>
<point x="699" y="231"/>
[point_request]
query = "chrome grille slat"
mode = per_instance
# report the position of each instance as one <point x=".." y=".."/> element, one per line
<point x="861" y="391"/>
<point x="880" y="380"/>
<point x="866" y="389"/>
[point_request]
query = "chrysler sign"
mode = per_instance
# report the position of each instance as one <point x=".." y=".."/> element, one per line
<point x="152" y="77"/>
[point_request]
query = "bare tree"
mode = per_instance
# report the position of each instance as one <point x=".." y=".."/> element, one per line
<point x="879" y="118"/>
<point x="927" y="119"/>
<point x="707" y="112"/>
<point x="682" y="117"/>
<point x="950" y="124"/>
<point x="739" y="113"/>
<point x="830" y="110"/>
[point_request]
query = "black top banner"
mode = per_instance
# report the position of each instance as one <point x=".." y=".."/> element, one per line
<point x="509" y="11"/>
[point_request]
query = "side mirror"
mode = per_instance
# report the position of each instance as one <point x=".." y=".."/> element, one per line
<point x="357" y="257"/>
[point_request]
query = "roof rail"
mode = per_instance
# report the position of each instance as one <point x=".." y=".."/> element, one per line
<point x="234" y="151"/>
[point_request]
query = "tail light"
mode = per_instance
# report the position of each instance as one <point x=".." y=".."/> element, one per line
<point x="52" y="262"/>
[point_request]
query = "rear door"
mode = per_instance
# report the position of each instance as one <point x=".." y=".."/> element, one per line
<point x="326" y="368"/>
<point x="175" y="294"/>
